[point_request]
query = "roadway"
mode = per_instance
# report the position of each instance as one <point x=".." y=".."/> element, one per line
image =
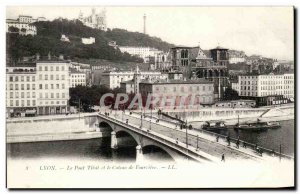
<point x="206" y="145"/>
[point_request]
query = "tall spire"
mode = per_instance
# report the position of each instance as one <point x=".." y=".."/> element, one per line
<point x="93" y="11"/>
<point x="144" y="23"/>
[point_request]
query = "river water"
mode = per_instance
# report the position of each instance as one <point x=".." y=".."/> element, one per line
<point x="271" y="138"/>
<point x="99" y="149"/>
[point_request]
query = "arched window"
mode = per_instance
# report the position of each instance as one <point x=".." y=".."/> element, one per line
<point x="182" y="53"/>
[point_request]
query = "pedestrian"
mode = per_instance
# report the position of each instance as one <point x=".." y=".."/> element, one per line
<point x="217" y="138"/>
<point x="223" y="158"/>
<point x="177" y="141"/>
<point x="273" y="153"/>
<point x="244" y="144"/>
<point x="126" y="121"/>
<point x="238" y="143"/>
<point x="228" y="140"/>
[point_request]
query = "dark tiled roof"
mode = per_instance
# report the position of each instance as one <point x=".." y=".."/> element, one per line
<point x="197" y="81"/>
<point x="73" y="70"/>
<point x="127" y="82"/>
<point x="23" y="64"/>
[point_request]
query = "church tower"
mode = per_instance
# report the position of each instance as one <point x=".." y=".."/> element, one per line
<point x="144" y="23"/>
<point x="136" y="80"/>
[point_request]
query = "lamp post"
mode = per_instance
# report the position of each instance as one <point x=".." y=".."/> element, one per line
<point x="197" y="142"/>
<point x="186" y="136"/>
<point x="280" y="152"/>
<point x="123" y="114"/>
<point x="150" y="117"/>
<point x="141" y="120"/>
<point x="79" y="108"/>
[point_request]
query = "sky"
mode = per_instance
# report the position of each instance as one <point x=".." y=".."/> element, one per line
<point x="267" y="31"/>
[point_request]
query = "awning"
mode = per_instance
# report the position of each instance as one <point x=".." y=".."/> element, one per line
<point x="292" y="99"/>
<point x="30" y="111"/>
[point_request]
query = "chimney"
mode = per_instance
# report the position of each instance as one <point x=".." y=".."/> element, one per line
<point x="61" y="57"/>
<point x="37" y="56"/>
<point x="49" y="56"/>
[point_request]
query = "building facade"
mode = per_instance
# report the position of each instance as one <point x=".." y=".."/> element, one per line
<point x="202" y="90"/>
<point x="39" y="88"/>
<point x="127" y="87"/>
<point x="236" y="56"/>
<point x="21" y="90"/>
<point x="90" y="40"/>
<point x="143" y="52"/>
<point x="267" y="89"/>
<point x="52" y="87"/>
<point x="22" y="28"/>
<point x="77" y="78"/>
<point x="23" y="25"/>
<point x="242" y="103"/>
<point x="95" y="20"/>
<point x="213" y="68"/>
<point x="113" y="79"/>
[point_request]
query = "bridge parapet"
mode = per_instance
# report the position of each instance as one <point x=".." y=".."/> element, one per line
<point x="180" y="147"/>
<point x="211" y="135"/>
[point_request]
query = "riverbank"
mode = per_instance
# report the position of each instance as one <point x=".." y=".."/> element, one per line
<point x="55" y="137"/>
<point x="53" y="128"/>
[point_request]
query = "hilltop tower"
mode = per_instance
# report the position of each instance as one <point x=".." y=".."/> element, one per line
<point x="95" y="20"/>
<point x="144" y="23"/>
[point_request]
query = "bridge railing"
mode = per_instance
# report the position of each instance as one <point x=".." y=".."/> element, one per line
<point x="242" y="143"/>
<point x="253" y="146"/>
<point x="172" y="143"/>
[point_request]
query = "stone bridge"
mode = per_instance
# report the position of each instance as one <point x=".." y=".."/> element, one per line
<point x="148" y="134"/>
<point x="128" y="134"/>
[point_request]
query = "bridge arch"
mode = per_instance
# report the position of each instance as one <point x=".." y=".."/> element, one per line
<point x="152" y="148"/>
<point x="132" y="138"/>
<point x="104" y="124"/>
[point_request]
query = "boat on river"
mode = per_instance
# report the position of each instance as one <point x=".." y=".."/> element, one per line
<point x="258" y="126"/>
<point x="214" y="126"/>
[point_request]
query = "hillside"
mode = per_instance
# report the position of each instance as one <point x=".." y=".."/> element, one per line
<point x="49" y="34"/>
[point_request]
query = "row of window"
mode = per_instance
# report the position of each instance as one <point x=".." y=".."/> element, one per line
<point x="22" y="86"/>
<point x="74" y="85"/>
<point x="28" y="95"/>
<point x="51" y="95"/>
<point x="51" y="86"/>
<point x="248" y="93"/>
<point x="267" y="77"/>
<point x="248" y="88"/>
<point x="184" y="89"/>
<point x="21" y="103"/>
<point x="53" y="102"/>
<point x="78" y="76"/>
<point x="79" y="80"/>
<point x="270" y="87"/>
<point x="51" y="68"/>
<point x="51" y="77"/>
<point x="21" y="78"/>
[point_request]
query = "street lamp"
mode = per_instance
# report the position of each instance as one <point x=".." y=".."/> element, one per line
<point x="150" y="117"/>
<point x="141" y="120"/>
<point x="197" y="143"/>
<point x="79" y="108"/>
<point x="123" y="114"/>
<point x="186" y="132"/>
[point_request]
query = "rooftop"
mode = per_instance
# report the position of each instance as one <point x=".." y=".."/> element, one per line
<point x="73" y="70"/>
<point x="197" y="81"/>
<point x="219" y="48"/>
<point x="127" y="82"/>
<point x="23" y="64"/>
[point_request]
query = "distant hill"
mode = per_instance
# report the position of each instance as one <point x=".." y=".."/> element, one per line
<point x="49" y="34"/>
